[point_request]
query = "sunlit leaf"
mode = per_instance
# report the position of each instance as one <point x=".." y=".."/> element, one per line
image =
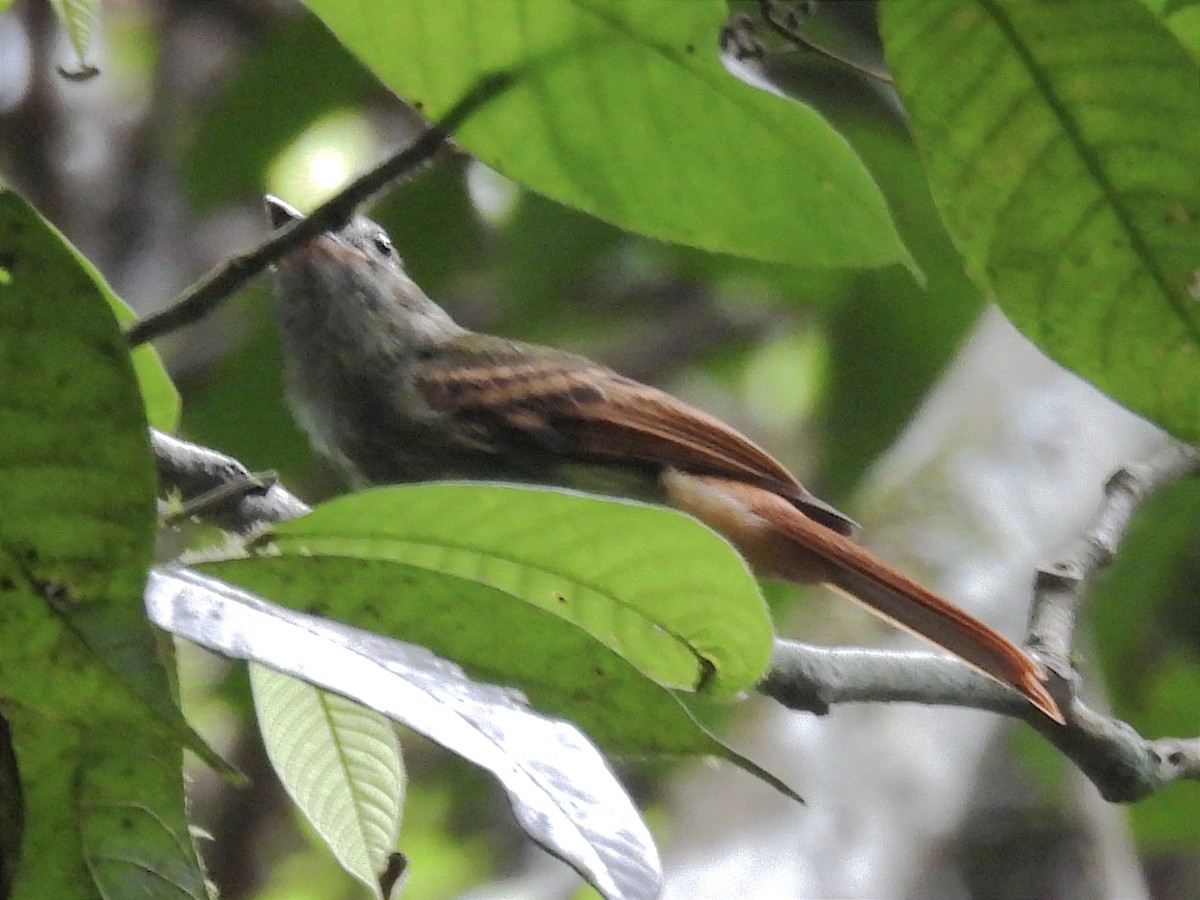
<point x="625" y="110"/>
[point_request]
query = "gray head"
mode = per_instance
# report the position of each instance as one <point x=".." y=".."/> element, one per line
<point x="371" y="246"/>
<point x="355" y="271"/>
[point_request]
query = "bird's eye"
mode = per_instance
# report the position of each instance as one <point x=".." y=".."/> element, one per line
<point x="383" y="243"/>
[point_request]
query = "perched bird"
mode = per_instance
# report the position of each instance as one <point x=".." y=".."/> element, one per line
<point x="391" y="389"/>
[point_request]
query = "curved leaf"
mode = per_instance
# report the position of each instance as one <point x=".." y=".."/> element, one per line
<point x="129" y="813"/>
<point x="78" y="17"/>
<point x="1060" y="145"/>
<point x="661" y="589"/>
<point x="30" y="240"/>
<point x="625" y="110"/>
<point x="495" y="637"/>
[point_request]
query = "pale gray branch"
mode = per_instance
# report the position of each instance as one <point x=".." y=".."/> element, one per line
<point x="811" y="678"/>
<point x="1122" y="764"/>
<point x="218" y="488"/>
<point x="1059" y="587"/>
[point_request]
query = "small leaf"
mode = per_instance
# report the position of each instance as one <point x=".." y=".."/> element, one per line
<point x="1060" y="145"/>
<point x="562" y="792"/>
<point x="625" y="110"/>
<point x="78" y="17"/>
<point x="341" y="765"/>
<point x="664" y="591"/>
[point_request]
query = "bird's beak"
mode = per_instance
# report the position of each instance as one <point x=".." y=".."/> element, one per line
<point x="280" y="213"/>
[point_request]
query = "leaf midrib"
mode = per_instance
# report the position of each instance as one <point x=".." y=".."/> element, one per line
<point x="1091" y="163"/>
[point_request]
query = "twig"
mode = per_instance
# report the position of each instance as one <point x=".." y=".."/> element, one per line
<point x="197" y="472"/>
<point x="1122" y="764"/>
<point x="221" y="499"/>
<point x="204" y="296"/>
<point x="1058" y="589"/>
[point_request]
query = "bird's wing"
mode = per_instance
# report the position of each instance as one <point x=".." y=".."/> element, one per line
<point x="503" y="394"/>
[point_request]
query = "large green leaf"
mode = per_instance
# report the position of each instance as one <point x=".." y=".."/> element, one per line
<point x="625" y="110"/>
<point x="81" y="671"/>
<point x="662" y="590"/>
<point x="1062" y="147"/>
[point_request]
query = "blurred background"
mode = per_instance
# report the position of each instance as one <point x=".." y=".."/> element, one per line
<point x="968" y="456"/>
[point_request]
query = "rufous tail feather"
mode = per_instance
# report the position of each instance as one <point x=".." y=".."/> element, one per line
<point x="921" y="612"/>
<point x="891" y="594"/>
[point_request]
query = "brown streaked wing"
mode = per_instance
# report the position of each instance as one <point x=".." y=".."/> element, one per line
<point x="571" y="407"/>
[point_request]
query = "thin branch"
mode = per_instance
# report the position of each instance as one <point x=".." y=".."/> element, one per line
<point x="1058" y="589"/>
<point x="811" y="678"/>
<point x="218" y="488"/>
<point x="204" y="296"/>
<point x="1122" y="764"/>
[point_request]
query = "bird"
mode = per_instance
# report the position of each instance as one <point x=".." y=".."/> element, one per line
<point x="391" y="389"/>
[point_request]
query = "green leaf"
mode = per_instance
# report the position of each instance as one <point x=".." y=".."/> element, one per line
<point x="78" y="17"/>
<point x="135" y="836"/>
<point x="34" y="243"/>
<point x="340" y="763"/>
<point x="497" y="638"/>
<point x="665" y="592"/>
<point x="12" y="810"/>
<point x="1060" y="145"/>
<point x="77" y="490"/>
<point x="52" y="862"/>
<point x="77" y="479"/>
<point x="158" y="390"/>
<point x="1170" y="7"/>
<point x="624" y="110"/>
<point x="103" y="810"/>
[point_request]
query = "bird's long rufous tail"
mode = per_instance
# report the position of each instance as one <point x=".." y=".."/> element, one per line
<point x="778" y="539"/>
